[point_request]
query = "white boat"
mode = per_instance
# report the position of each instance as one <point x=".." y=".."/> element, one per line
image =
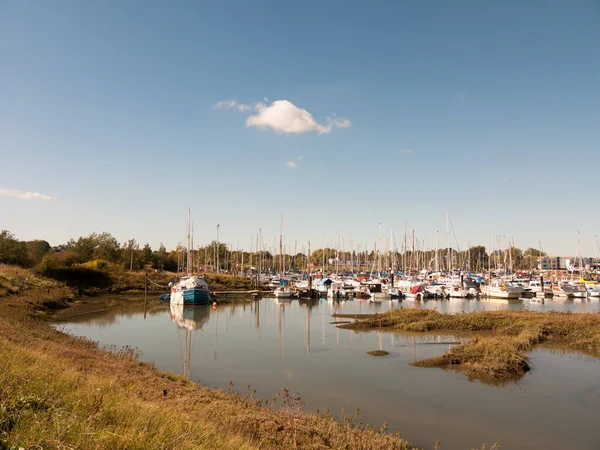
<point x="536" y="289"/>
<point x="568" y="290"/>
<point x="498" y="290"/>
<point x="593" y="291"/>
<point x="456" y="292"/>
<point x="416" y="293"/>
<point x="283" y="292"/>
<point x="190" y="290"/>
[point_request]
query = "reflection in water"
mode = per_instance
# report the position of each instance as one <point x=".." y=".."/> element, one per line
<point x="269" y="345"/>
<point x="190" y="318"/>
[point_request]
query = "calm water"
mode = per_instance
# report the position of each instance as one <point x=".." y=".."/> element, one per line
<point x="271" y="345"/>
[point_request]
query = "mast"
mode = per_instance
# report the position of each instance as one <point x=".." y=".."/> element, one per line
<point x="412" y="256"/>
<point x="379" y="250"/>
<point x="404" y="252"/>
<point x="281" y="245"/>
<point x="189" y="240"/>
<point x="437" y="251"/>
<point x="489" y="256"/>
<point x="391" y="253"/>
<point x="449" y="253"/>
<point x="351" y="253"/>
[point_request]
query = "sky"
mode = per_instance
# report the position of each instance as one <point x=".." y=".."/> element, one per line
<point x="119" y="116"/>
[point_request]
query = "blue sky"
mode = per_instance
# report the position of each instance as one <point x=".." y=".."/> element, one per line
<point x="488" y="111"/>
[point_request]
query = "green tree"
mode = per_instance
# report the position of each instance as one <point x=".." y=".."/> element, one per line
<point x="12" y="251"/>
<point x="84" y="247"/>
<point x="36" y="250"/>
<point x="146" y="254"/>
<point x="106" y="247"/>
<point x="128" y="252"/>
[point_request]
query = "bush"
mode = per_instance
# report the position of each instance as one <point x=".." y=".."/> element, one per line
<point x="79" y="277"/>
<point x="97" y="264"/>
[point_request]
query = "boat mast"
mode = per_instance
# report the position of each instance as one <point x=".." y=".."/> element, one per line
<point x="412" y="256"/>
<point x="391" y="253"/>
<point x="404" y="252"/>
<point x="437" y="251"/>
<point x="489" y="256"/>
<point x="379" y="250"/>
<point x="351" y="253"/>
<point x="281" y="246"/>
<point x="449" y="253"/>
<point x="189" y="238"/>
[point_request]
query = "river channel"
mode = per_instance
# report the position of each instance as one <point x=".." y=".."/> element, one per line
<point x="270" y="345"/>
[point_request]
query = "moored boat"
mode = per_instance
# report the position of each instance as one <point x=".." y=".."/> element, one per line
<point x="190" y="290"/>
<point x="497" y="290"/>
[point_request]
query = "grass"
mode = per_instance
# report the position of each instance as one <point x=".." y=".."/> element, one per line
<point x="59" y="391"/>
<point x="17" y="280"/>
<point x="502" y="338"/>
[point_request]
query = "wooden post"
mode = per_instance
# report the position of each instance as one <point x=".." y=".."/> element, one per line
<point x="145" y="293"/>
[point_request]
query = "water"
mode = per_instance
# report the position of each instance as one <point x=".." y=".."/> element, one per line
<point x="270" y="345"/>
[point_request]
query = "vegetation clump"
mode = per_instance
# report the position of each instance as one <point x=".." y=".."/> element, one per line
<point x="378" y="353"/>
<point x="503" y="338"/>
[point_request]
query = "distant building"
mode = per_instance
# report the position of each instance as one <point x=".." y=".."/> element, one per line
<point x="554" y="263"/>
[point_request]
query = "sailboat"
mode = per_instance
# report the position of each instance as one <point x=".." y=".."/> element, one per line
<point x="284" y="290"/>
<point x="190" y="290"/>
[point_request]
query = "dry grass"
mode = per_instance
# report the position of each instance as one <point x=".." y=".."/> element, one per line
<point x="58" y="391"/>
<point x="499" y="352"/>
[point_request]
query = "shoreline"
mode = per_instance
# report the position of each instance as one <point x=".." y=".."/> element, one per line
<point x="109" y="400"/>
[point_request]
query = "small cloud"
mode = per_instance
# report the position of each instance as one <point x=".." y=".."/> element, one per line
<point x="503" y="180"/>
<point x="232" y="104"/>
<point x="341" y="122"/>
<point x="300" y="158"/>
<point x="23" y="195"/>
<point x="291" y="164"/>
<point x="243" y="108"/>
<point x="460" y="95"/>
<point x="225" y="104"/>
<point x="285" y="117"/>
<point x="407" y="150"/>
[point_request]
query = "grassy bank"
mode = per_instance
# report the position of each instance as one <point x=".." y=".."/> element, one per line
<point x="58" y="391"/>
<point x="502" y="338"/>
<point x="86" y="281"/>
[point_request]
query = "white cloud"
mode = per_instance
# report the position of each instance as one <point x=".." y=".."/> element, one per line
<point x="232" y="104"/>
<point x="341" y="122"/>
<point x="291" y="164"/>
<point x="407" y="150"/>
<point x="225" y="104"/>
<point x="285" y="117"/>
<point x="242" y="107"/>
<point x="23" y="195"/>
<point x="300" y="158"/>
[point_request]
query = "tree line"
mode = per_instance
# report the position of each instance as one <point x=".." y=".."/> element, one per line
<point x="98" y="250"/>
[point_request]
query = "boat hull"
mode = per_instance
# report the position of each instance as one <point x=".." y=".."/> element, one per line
<point x="500" y="293"/>
<point x="191" y="297"/>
